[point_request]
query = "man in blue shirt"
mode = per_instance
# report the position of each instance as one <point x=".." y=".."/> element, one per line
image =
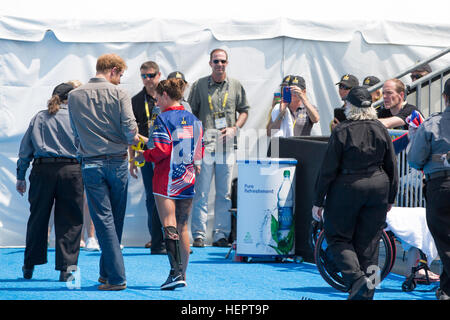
<point x="429" y="151"/>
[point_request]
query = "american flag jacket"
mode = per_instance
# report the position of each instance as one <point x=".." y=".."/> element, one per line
<point x="178" y="144"/>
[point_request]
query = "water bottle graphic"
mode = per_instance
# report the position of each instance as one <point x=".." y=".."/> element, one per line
<point x="285" y="232"/>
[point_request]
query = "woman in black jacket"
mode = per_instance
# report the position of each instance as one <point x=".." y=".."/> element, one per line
<point x="359" y="180"/>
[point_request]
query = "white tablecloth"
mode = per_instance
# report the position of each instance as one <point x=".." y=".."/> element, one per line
<point x="410" y="226"/>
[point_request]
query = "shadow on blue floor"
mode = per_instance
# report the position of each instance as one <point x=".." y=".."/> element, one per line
<point x="210" y="277"/>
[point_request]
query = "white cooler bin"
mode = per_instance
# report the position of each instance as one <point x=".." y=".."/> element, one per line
<point x="259" y="230"/>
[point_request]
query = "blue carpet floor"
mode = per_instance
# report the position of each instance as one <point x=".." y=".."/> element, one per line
<point x="210" y="277"/>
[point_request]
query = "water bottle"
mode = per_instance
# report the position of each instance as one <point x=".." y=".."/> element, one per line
<point x="285" y="208"/>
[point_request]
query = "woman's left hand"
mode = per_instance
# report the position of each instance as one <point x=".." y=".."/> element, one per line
<point x="317" y="213"/>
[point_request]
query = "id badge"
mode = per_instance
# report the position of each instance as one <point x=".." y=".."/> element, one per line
<point x="220" y="121"/>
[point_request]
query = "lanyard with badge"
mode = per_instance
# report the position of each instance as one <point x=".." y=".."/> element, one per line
<point x="151" y="120"/>
<point x="220" y="120"/>
<point x="299" y="115"/>
<point x="147" y="111"/>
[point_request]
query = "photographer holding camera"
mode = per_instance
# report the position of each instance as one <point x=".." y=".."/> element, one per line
<point x="294" y="115"/>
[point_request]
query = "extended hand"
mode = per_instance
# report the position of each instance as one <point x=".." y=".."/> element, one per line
<point x="228" y="133"/>
<point x="317" y="213"/>
<point x="21" y="186"/>
<point x="133" y="170"/>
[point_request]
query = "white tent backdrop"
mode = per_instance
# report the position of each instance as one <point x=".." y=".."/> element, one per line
<point x="40" y="49"/>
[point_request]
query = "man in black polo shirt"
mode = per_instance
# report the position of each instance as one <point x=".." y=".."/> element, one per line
<point x="145" y="111"/>
<point x="396" y="109"/>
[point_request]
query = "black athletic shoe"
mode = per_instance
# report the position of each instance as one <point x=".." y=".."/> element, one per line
<point x="64" y="276"/>
<point x="27" y="272"/>
<point x="173" y="281"/>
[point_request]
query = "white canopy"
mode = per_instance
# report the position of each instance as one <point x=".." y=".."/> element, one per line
<point x="44" y="43"/>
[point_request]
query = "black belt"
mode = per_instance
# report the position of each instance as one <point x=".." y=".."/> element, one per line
<point x="54" y="160"/>
<point x="361" y="171"/>
<point x="108" y="156"/>
<point x="437" y="174"/>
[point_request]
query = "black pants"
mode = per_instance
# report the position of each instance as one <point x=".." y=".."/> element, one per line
<point x="61" y="184"/>
<point x="438" y="220"/>
<point x="355" y="215"/>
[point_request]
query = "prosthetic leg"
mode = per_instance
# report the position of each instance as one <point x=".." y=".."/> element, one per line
<point x="176" y="278"/>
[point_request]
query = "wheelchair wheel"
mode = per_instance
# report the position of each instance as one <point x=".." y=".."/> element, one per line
<point x="330" y="272"/>
<point x="409" y="284"/>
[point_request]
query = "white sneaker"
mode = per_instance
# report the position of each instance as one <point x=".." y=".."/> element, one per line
<point x="92" y="245"/>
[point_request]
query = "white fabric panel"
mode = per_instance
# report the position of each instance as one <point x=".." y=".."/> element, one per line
<point x="29" y="70"/>
<point x="388" y="22"/>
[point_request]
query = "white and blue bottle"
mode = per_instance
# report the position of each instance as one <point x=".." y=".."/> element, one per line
<point x="285" y="207"/>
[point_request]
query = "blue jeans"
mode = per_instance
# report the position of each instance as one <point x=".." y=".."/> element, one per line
<point x="106" y="183"/>
<point x="221" y="166"/>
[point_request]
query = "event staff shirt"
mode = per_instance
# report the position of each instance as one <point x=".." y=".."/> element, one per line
<point x="236" y="101"/>
<point x="432" y="137"/>
<point x="47" y="136"/>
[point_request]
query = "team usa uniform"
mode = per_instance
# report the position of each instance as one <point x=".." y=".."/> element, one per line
<point x="178" y="144"/>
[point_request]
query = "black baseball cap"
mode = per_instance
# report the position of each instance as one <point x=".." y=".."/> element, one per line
<point x="447" y="87"/>
<point x="370" y="81"/>
<point x="349" y="80"/>
<point x="292" y="80"/>
<point x="62" y="91"/>
<point x="176" y="75"/>
<point x="426" y="67"/>
<point x="359" y="97"/>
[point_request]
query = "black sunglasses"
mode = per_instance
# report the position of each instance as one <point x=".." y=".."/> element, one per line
<point x="343" y="87"/>
<point x="416" y="76"/>
<point x="216" y="61"/>
<point x="148" y="75"/>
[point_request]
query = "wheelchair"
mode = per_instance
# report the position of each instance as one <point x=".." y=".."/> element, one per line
<point x="328" y="269"/>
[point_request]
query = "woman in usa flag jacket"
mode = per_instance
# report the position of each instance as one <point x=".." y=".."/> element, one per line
<point x="177" y="153"/>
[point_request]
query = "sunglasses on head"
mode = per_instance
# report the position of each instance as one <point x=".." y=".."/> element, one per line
<point x="216" y="61"/>
<point x="343" y="87"/>
<point x="148" y="75"/>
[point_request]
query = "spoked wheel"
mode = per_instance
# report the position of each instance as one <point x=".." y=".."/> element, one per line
<point x="330" y="272"/>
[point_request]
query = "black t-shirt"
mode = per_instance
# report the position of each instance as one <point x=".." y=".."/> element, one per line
<point x="138" y="103"/>
<point x="403" y="114"/>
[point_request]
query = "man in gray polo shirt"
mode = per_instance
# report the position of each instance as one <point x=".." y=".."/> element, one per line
<point x="103" y="121"/>
<point x="214" y="100"/>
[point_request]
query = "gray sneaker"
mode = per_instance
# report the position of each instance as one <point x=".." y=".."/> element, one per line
<point x="199" y="243"/>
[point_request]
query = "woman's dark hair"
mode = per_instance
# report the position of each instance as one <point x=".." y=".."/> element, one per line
<point x="173" y="87"/>
<point x="53" y="104"/>
<point x="60" y="94"/>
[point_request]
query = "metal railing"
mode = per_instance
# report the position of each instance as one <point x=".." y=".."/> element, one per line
<point x="410" y="185"/>
<point x="425" y="92"/>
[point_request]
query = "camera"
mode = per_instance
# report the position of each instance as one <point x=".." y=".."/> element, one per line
<point x="287" y="94"/>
